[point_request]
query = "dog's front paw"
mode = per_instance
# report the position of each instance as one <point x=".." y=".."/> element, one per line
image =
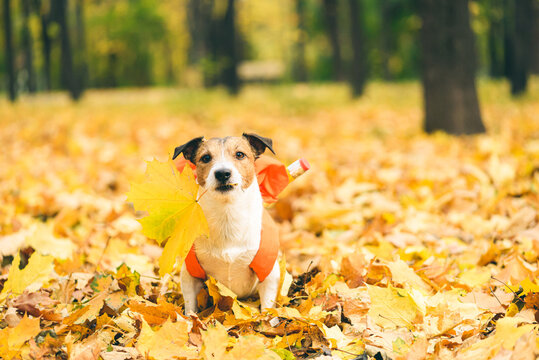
<point x="190" y="308"/>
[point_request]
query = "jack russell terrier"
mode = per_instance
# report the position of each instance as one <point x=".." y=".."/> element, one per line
<point x="242" y="247"/>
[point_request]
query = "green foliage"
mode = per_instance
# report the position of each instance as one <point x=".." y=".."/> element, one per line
<point x="150" y="42"/>
<point x="122" y="34"/>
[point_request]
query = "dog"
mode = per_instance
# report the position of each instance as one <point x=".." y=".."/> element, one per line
<point x="233" y="206"/>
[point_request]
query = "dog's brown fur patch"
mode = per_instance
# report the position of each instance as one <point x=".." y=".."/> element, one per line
<point x="216" y="148"/>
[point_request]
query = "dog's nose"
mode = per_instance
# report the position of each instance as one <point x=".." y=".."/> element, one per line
<point x="223" y="175"/>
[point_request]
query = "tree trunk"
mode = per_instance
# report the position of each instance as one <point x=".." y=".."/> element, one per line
<point x="385" y="38"/>
<point x="508" y="37"/>
<point x="330" y="12"/>
<point x="69" y="79"/>
<point x="26" y="37"/>
<point x="358" y="69"/>
<point x="44" y="18"/>
<point x="534" y="58"/>
<point x="169" y="64"/>
<point x="448" y="55"/>
<point x="495" y="39"/>
<point x="198" y="20"/>
<point x="81" y="67"/>
<point x="229" y="54"/>
<point x="522" y="43"/>
<point x="8" y="42"/>
<point x="300" y="64"/>
<point x="46" y="40"/>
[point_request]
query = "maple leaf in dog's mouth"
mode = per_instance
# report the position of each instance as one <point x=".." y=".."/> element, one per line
<point x="170" y="199"/>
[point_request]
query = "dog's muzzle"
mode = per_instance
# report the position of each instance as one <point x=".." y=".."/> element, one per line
<point x="223" y="178"/>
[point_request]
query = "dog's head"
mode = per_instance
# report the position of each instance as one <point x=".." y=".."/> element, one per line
<point x="225" y="165"/>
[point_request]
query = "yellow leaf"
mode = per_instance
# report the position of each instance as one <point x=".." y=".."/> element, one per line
<point x="403" y="274"/>
<point x="527" y="286"/>
<point x="37" y="271"/>
<point x="214" y="342"/>
<point x="512" y="310"/>
<point x="155" y="314"/>
<point x="45" y="242"/>
<point x="170" y="198"/>
<point x="251" y="348"/>
<point x="227" y="299"/>
<point x="335" y="336"/>
<point x="12" y="339"/>
<point x="508" y="331"/>
<point x="170" y="341"/>
<point x="392" y="307"/>
<point x="475" y="277"/>
<point x="94" y="307"/>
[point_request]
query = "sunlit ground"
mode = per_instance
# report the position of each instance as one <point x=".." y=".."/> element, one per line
<point x="455" y="209"/>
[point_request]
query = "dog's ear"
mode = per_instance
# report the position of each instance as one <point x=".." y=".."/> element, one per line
<point x="189" y="149"/>
<point x="259" y="143"/>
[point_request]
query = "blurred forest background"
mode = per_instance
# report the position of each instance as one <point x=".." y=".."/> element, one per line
<point x="73" y="45"/>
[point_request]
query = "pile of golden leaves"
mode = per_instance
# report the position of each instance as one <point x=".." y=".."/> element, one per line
<point x="402" y="245"/>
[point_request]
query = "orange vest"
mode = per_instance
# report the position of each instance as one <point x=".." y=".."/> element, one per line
<point x="272" y="179"/>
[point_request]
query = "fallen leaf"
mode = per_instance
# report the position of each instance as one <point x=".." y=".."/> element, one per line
<point x="12" y="339"/>
<point x="155" y="314"/>
<point x="43" y="240"/>
<point x="392" y="307"/>
<point x="402" y="274"/>
<point x="170" y="198"/>
<point x="37" y="271"/>
<point x="170" y="340"/>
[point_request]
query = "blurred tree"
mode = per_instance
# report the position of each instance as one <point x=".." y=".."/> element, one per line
<point x="70" y="78"/>
<point x="331" y="19"/>
<point x="80" y="64"/>
<point x="518" y="42"/>
<point x="387" y="20"/>
<point x="125" y="35"/>
<point x="534" y="59"/>
<point x="358" y="68"/>
<point x="198" y="18"/>
<point x="229" y="53"/>
<point x="300" y="65"/>
<point x="8" y="41"/>
<point x="495" y="38"/>
<point x="221" y="64"/>
<point x="447" y="45"/>
<point x="27" y="46"/>
<point x="508" y="46"/>
<point x="391" y="31"/>
<point x="150" y="42"/>
<point x="44" y="7"/>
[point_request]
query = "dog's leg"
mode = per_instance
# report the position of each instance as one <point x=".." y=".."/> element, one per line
<point x="191" y="286"/>
<point x="269" y="288"/>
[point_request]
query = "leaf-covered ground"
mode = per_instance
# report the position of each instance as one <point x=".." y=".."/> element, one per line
<point x="401" y="245"/>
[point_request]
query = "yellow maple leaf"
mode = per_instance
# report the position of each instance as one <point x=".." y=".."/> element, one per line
<point x="37" y="271"/>
<point x="508" y="331"/>
<point x="403" y="274"/>
<point x="170" y="341"/>
<point x="527" y="286"/>
<point x="391" y="307"/>
<point x="12" y="339"/>
<point x="251" y="348"/>
<point x="214" y="342"/>
<point x="44" y="241"/>
<point x="226" y="298"/>
<point x="170" y="198"/>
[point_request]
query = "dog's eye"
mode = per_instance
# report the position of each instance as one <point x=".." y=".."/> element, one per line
<point x="240" y="155"/>
<point x="205" y="159"/>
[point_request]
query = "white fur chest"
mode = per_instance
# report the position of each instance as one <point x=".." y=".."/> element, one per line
<point x="235" y="227"/>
